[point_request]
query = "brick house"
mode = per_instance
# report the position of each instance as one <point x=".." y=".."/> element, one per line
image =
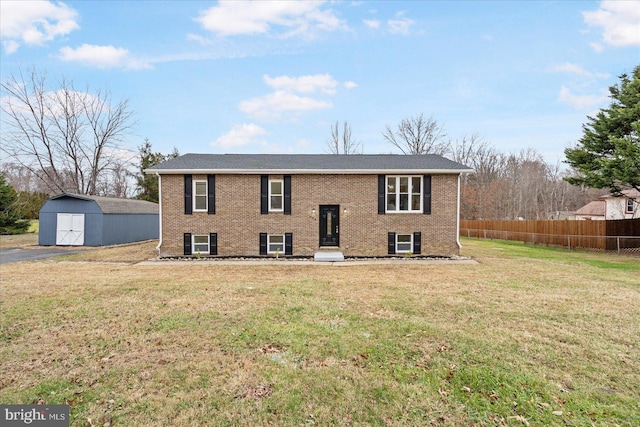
<point x="607" y="207"/>
<point x="358" y="205"/>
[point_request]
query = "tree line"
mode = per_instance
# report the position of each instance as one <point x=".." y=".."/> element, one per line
<point x="70" y="140"/>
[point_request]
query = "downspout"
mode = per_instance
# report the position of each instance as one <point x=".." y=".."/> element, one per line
<point x="458" y="216"/>
<point x="159" y="212"/>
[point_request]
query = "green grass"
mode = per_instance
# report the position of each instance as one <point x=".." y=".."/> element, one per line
<point x="530" y="335"/>
<point x="34" y="226"/>
<point x="574" y="257"/>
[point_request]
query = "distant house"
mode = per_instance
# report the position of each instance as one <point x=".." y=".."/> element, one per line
<point x="300" y="205"/>
<point x="82" y="220"/>
<point x="626" y="206"/>
<point x="592" y="211"/>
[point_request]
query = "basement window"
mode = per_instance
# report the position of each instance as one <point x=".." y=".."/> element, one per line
<point x="200" y="244"/>
<point x="404" y="243"/>
<point x="275" y="243"/>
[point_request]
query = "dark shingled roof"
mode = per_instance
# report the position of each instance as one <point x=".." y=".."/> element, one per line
<point x="308" y="163"/>
<point x="112" y="205"/>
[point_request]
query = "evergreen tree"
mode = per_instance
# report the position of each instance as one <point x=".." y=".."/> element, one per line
<point x="148" y="184"/>
<point x="10" y="222"/>
<point x="608" y="154"/>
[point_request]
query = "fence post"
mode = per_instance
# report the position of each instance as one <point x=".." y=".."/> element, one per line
<point x="569" y="241"/>
<point x="618" y="242"/>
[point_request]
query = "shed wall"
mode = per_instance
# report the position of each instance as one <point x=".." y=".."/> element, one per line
<point x="126" y="228"/>
<point x="99" y="229"/>
<point x="49" y="221"/>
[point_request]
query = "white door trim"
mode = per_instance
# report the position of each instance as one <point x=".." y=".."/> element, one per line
<point x="70" y="229"/>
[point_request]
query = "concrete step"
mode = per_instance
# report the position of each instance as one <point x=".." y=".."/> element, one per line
<point x="326" y="256"/>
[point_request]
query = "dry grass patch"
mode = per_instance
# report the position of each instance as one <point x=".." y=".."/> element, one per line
<point x="127" y="253"/>
<point x="527" y="336"/>
<point x="18" y="240"/>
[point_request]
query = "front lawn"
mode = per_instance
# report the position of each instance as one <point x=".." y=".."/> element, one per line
<point x="529" y="336"/>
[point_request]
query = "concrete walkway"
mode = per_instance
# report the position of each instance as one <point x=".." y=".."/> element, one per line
<point x="284" y="262"/>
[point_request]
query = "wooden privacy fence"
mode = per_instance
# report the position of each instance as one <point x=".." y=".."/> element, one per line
<point x="612" y="235"/>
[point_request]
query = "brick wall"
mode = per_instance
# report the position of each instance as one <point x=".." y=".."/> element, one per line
<point x="238" y="221"/>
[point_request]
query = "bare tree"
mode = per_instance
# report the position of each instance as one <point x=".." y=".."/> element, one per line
<point x="417" y="135"/>
<point x="512" y="185"/>
<point x="344" y="143"/>
<point x="68" y="139"/>
<point x="481" y="190"/>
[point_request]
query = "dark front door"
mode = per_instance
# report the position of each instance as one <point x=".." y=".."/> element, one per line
<point x="329" y="225"/>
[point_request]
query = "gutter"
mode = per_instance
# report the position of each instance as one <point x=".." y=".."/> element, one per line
<point x="458" y="217"/>
<point x="159" y="212"/>
<point x="309" y="171"/>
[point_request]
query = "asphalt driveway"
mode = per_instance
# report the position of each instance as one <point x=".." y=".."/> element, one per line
<point x="11" y="255"/>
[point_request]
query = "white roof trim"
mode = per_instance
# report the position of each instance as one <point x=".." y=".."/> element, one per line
<point x="308" y="171"/>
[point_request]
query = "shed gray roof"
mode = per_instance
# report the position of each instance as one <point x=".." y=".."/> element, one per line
<point x="308" y="163"/>
<point x="112" y="205"/>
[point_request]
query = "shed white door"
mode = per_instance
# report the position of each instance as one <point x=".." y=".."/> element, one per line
<point x="70" y="229"/>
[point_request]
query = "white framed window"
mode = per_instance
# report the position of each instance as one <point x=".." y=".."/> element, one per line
<point x="200" y="244"/>
<point x="199" y="196"/>
<point x="275" y="243"/>
<point x="404" y="243"/>
<point x="404" y="194"/>
<point x="630" y="203"/>
<point x="276" y="195"/>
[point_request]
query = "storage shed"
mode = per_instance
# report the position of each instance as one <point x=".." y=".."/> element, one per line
<point x="82" y="220"/>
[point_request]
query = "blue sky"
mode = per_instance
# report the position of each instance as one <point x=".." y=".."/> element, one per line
<point x="272" y="77"/>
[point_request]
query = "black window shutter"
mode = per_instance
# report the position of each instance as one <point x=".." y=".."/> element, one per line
<point x="188" y="203"/>
<point x="426" y="189"/>
<point x="187" y="243"/>
<point x="264" y="194"/>
<point x="381" y="194"/>
<point x="211" y="194"/>
<point x="287" y="194"/>
<point x="263" y="243"/>
<point x="417" y="243"/>
<point x="213" y="243"/>
<point x="288" y="243"/>
<point x="392" y="243"/>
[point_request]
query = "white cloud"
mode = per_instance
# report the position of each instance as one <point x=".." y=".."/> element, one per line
<point x="273" y="105"/>
<point x="286" y="96"/>
<point x="34" y="22"/>
<point x="286" y="18"/>
<point x="567" y="67"/>
<point x="10" y="46"/>
<point x="240" y="135"/>
<point x="580" y="102"/>
<point x="102" y="57"/>
<point x="597" y="47"/>
<point x="303" y="84"/>
<point x="575" y="69"/>
<point x="400" y="25"/>
<point x="199" y="39"/>
<point x="372" y="23"/>
<point x="619" y="20"/>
